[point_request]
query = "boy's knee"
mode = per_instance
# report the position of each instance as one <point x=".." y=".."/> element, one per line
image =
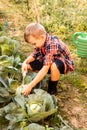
<point x="55" y="73"/>
<point x="53" y="66"/>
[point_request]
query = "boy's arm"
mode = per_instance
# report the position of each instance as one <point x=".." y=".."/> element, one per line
<point x="40" y="75"/>
<point x="29" y="59"/>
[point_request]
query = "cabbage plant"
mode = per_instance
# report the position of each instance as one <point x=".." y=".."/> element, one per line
<point x="10" y="64"/>
<point x="33" y="108"/>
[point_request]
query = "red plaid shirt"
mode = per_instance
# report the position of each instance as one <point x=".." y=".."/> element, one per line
<point x="54" y="49"/>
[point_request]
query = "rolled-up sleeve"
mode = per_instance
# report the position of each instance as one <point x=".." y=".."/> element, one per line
<point x="35" y="53"/>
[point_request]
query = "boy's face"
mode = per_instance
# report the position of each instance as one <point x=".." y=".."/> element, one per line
<point x="37" y="42"/>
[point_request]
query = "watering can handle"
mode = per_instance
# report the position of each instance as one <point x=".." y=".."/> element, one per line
<point x="75" y="35"/>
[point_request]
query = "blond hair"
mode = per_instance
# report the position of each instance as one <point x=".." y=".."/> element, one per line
<point x="35" y="30"/>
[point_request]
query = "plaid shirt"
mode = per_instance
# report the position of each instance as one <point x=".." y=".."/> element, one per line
<point x="54" y="49"/>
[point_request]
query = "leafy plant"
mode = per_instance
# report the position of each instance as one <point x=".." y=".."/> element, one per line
<point x="20" y="109"/>
<point x="10" y="64"/>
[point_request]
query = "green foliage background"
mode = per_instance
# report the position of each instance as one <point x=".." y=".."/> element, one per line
<point x="60" y="17"/>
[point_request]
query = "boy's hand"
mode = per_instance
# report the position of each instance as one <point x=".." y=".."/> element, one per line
<point x="27" y="89"/>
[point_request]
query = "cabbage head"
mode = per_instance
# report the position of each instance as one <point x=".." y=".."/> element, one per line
<point x="38" y="105"/>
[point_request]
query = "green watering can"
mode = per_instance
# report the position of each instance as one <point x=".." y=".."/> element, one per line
<point x="80" y="40"/>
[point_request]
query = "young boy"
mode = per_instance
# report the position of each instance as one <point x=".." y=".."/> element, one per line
<point x="50" y="55"/>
